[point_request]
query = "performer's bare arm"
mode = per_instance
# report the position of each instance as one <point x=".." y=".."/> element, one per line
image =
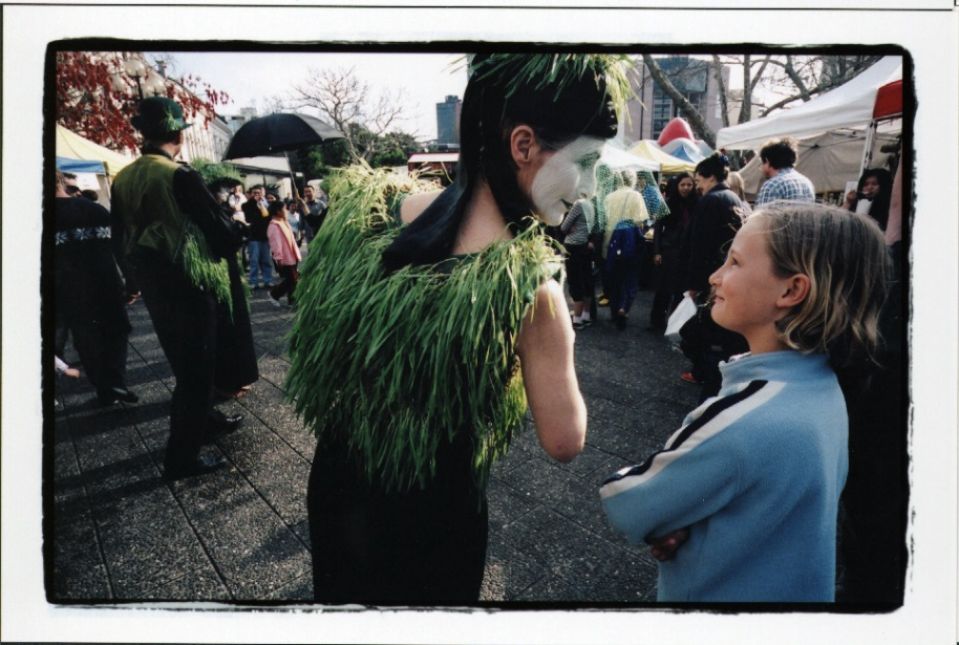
<point x="545" y="348"/>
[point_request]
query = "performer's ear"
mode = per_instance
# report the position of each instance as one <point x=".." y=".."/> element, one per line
<point x="523" y="145"/>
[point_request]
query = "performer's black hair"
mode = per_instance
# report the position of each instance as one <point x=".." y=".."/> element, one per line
<point x="493" y="104"/>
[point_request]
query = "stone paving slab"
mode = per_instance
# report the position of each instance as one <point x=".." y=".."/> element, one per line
<point x="241" y="535"/>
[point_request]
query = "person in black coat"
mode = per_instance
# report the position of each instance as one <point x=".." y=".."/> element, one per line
<point x="668" y="235"/>
<point x="236" y="367"/>
<point x="90" y="294"/>
<point x="717" y="217"/>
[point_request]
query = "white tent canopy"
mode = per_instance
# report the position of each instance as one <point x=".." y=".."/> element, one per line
<point x="615" y="157"/>
<point x="829" y="160"/>
<point x="847" y="106"/>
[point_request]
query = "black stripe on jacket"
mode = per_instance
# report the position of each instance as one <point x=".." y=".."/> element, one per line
<point x="711" y="413"/>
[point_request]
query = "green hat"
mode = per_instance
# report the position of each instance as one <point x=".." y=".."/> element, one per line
<point x="159" y="116"/>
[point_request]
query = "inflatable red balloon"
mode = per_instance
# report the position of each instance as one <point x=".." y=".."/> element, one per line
<point x="675" y="129"/>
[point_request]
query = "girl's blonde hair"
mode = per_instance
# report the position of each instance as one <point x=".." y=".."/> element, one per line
<point x="736" y="184"/>
<point x="844" y="255"/>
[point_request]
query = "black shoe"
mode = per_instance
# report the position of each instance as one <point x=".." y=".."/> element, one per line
<point x="199" y="465"/>
<point x="115" y="395"/>
<point x="219" y="424"/>
<point x="125" y="395"/>
<point x="107" y="399"/>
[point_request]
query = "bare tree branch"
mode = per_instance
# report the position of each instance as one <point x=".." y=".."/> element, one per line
<point x="696" y="119"/>
<point x="723" y="94"/>
<point x="796" y="79"/>
<point x="347" y="102"/>
<point x="746" y="109"/>
<point x="759" y="74"/>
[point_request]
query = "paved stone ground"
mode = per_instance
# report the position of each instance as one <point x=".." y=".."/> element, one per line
<point x="121" y="533"/>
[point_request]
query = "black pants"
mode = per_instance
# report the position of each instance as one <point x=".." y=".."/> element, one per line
<point x="290" y="277"/>
<point x="184" y="318"/>
<point x="103" y="353"/>
<point x="667" y="294"/>
<point x="422" y="547"/>
<point x="875" y="499"/>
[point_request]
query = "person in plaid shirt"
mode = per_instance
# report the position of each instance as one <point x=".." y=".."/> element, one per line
<point x="783" y="181"/>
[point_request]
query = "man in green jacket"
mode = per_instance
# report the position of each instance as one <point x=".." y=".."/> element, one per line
<point x="175" y="238"/>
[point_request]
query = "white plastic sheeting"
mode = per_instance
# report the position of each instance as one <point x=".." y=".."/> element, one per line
<point x="847" y="106"/>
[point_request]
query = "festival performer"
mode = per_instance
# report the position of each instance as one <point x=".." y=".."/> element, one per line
<point x="417" y="343"/>
<point x="175" y="237"/>
<point x="751" y="481"/>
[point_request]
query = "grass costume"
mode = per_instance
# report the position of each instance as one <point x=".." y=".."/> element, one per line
<point x="403" y="355"/>
<point x="175" y="238"/>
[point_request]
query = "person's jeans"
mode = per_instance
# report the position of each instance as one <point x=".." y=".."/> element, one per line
<point x="261" y="262"/>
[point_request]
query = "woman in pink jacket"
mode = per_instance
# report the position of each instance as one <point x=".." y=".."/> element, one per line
<point x="285" y="253"/>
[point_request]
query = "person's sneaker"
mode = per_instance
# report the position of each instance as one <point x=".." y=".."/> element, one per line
<point x="689" y="378"/>
<point x="578" y="324"/>
<point x="275" y="302"/>
<point x="586" y="322"/>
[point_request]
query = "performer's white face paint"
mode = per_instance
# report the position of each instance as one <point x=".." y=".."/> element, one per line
<point x="567" y="175"/>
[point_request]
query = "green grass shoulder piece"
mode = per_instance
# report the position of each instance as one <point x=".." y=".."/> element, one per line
<point x="392" y="364"/>
<point x="202" y="269"/>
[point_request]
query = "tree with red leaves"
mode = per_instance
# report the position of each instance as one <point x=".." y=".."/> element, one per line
<point x="95" y="98"/>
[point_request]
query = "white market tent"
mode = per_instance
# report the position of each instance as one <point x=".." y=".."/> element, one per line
<point x="848" y="106"/>
<point x="616" y="157"/>
<point x="830" y="160"/>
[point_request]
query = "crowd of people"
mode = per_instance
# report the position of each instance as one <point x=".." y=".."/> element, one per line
<point x="413" y="391"/>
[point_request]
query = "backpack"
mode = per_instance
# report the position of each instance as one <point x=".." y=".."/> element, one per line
<point x="624" y="242"/>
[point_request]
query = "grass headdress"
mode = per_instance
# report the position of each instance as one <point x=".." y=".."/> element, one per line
<point x="560" y="96"/>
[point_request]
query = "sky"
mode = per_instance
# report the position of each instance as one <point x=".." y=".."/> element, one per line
<point x="252" y="79"/>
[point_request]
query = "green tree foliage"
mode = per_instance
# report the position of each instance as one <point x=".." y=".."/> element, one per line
<point x="394" y="149"/>
<point x="390" y="149"/>
<point x="211" y="170"/>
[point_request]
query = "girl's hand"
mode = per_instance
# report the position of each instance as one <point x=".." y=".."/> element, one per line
<point x="657" y="260"/>
<point x="664" y="548"/>
<point x="850" y="201"/>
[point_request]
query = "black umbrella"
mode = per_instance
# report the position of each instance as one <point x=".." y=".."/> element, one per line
<point x="268" y="135"/>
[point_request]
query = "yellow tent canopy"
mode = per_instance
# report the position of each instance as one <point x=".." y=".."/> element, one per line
<point x="72" y="145"/>
<point x="669" y="164"/>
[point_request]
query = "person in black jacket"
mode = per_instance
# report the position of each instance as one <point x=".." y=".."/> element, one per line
<point x="90" y="296"/>
<point x="717" y="217"/>
<point x="668" y="235"/>
<point x="236" y="367"/>
<point x="257" y="216"/>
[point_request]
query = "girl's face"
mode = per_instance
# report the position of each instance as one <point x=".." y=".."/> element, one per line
<point x="685" y="187"/>
<point x="566" y="175"/>
<point x="870" y="187"/>
<point x="746" y="290"/>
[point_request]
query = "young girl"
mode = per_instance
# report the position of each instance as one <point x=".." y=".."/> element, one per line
<point x="285" y="253"/>
<point x="751" y="481"/>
